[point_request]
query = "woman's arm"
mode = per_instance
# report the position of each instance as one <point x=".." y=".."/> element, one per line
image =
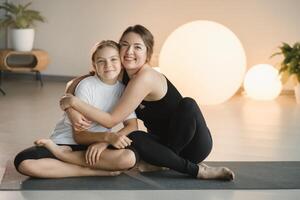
<point x="77" y="120"/>
<point x="72" y="84"/>
<point x="130" y="125"/>
<point x="137" y="89"/>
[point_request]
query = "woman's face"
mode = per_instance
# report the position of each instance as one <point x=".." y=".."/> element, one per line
<point x="133" y="51"/>
<point x="107" y="64"/>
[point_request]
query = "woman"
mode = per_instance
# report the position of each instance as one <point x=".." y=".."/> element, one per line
<point x="177" y="137"/>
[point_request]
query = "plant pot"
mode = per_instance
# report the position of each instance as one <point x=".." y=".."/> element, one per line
<point x="297" y="92"/>
<point x="22" y="39"/>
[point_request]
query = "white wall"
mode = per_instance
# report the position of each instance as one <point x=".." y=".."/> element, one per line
<point x="74" y="25"/>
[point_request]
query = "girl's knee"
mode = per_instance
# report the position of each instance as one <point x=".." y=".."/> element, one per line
<point x="127" y="160"/>
<point x="28" y="167"/>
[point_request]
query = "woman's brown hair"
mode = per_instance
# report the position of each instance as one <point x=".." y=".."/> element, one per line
<point x="146" y="36"/>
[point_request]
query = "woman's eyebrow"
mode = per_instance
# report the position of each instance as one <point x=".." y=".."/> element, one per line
<point x="123" y="41"/>
<point x="136" y="43"/>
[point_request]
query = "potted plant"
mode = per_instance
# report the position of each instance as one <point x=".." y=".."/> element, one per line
<point x="290" y="66"/>
<point x="21" y="20"/>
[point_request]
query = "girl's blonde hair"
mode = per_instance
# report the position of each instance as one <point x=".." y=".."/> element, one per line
<point x="100" y="45"/>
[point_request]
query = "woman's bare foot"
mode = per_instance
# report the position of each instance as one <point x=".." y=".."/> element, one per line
<point x="207" y="172"/>
<point x="51" y="146"/>
<point x="146" y="167"/>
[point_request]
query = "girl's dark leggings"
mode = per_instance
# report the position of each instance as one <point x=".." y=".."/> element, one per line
<point x="187" y="142"/>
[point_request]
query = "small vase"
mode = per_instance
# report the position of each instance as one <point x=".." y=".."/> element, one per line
<point x="297" y="92"/>
<point x="22" y="39"/>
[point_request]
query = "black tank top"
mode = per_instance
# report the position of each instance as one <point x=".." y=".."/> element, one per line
<point x="156" y="114"/>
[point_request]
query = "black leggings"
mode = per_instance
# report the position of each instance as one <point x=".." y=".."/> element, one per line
<point x="187" y="142"/>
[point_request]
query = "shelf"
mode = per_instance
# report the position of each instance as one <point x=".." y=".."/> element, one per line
<point x="40" y="60"/>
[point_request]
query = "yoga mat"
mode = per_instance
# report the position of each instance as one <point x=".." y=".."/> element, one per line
<point x="249" y="175"/>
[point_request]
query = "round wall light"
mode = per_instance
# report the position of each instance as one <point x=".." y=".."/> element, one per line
<point x="204" y="60"/>
<point x="262" y="82"/>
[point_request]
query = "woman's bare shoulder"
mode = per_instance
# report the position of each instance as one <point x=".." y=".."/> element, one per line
<point x="149" y="74"/>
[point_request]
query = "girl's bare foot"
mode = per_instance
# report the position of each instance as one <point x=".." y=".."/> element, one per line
<point x="51" y="146"/>
<point x="105" y="173"/>
<point x="207" y="172"/>
<point x="146" y="167"/>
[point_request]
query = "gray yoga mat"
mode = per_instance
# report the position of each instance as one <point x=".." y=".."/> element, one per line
<point x="249" y="175"/>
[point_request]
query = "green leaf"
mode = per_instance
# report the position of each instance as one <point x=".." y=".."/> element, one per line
<point x="275" y="54"/>
<point x="290" y="65"/>
<point x="19" y="16"/>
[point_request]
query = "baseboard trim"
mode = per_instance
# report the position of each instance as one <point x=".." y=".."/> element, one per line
<point x="31" y="76"/>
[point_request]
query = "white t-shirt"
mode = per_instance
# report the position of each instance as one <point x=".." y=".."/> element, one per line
<point x="96" y="93"/>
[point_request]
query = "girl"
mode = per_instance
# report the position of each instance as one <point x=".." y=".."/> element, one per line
<point x="98" y="159"/>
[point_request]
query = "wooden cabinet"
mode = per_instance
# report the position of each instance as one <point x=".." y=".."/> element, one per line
<point x="31" y="61"/>
<point x="39" y="63"/>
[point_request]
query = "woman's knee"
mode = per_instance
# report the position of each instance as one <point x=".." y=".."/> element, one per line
<point x="188" y="104"/>
<point x="136" y="135"/>
<point x="188" y="109"/>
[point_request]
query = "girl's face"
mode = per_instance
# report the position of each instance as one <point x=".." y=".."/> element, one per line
<point x="133" y="51"/>
<point x="107" y="64"/>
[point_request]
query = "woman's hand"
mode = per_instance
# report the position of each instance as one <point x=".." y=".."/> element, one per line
<point x="119" y="141"/>
<point x="79" y="122"/>
<point x="67" y="101"/>
<point x="92" y="155"/>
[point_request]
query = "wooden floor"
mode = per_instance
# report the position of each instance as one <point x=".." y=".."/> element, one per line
<point x="242" y="129"/>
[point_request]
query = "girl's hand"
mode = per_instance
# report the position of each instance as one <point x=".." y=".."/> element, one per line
<point x="92" y="155"/>
<point x="119" y="141"/>
<point x="79" y="122"/>
<point x="66" y="101"/>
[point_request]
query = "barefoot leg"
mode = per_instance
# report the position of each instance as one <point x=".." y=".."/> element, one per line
<point x="52" y="147"/>
<point x="109" y="160"/>
<point x="64" y="153"/>
<point x="52" y="168"/>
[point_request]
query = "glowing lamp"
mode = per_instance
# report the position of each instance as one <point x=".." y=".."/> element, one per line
<point x="204" y="60"/>
<point x="262" y="82"/>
